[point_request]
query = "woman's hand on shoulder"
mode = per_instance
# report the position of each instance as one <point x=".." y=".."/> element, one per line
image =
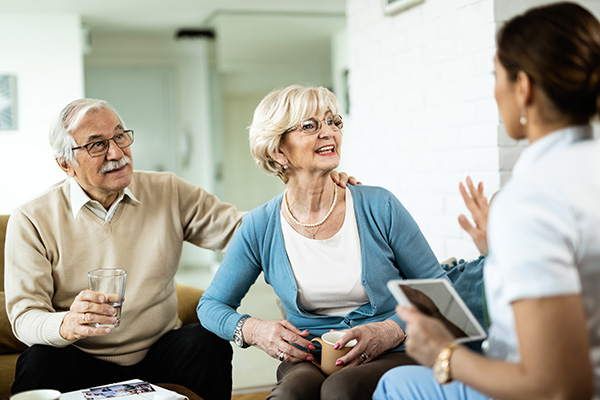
<point x="372" y="340"/>
<point x="277" y="339"/>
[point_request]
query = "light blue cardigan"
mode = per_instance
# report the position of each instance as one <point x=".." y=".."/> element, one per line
<point x="392" y="247"/>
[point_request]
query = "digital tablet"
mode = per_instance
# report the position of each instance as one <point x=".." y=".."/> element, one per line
<point x="437" y="298"/>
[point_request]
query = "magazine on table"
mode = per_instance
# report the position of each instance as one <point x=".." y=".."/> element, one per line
<point x="132" y="389"/>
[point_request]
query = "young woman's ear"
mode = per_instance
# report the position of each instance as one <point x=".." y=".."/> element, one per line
<point x="524" y="89"/>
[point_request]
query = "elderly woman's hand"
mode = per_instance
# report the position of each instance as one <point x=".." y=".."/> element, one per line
<point x="428" y="336"/>
<point x="372" y="339"/>
<point x="277" y="339"/>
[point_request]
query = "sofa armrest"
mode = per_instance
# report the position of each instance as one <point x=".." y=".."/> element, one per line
<point x="188" y="297"/>
<point x="9" y="344"/>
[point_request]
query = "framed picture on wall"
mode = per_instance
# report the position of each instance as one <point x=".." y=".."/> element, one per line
<point x="8" y="103"/>
<point x="393" y="6"/>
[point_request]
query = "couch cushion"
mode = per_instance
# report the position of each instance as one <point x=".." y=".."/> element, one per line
<point x="188" y="297"/>
<point x="9" y="344"/>
<point x="7" y="373"/>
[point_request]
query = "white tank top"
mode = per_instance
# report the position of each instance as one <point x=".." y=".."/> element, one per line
<point x="328" y="272"/>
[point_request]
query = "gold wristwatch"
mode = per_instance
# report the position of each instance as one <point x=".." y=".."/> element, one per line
<point x="441" y="366"/>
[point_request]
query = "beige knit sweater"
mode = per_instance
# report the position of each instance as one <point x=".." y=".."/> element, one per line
<point x="48" y="254"/>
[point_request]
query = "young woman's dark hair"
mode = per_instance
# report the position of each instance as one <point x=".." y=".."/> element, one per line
<point x="558" y="47"/>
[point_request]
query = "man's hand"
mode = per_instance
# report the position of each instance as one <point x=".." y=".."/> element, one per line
<point x="342" y="178"/>
<point x="478" y="205"/>
<point x="87" y="308"/>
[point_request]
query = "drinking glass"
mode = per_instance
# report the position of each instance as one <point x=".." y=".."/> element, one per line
<point x="111" y="283"/>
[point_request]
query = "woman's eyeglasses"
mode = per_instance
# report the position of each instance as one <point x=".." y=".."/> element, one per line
<point x="313" y="125"/>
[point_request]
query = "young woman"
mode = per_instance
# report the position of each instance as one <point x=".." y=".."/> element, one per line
<point x="543" y="271"/>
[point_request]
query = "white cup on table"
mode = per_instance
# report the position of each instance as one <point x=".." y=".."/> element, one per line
<point x="38" y="394"/>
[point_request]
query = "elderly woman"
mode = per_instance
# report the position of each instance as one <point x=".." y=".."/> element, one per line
<point x="543" y="271"/>
<point x="326" y="251"/>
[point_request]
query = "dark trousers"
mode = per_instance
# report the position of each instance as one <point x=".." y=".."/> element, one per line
<point x="191" y="356"/>
<point x="305" y="381"/>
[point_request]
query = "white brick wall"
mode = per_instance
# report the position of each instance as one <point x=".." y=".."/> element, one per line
<point x="423" y="112"/>
<point x="422" y="107"/>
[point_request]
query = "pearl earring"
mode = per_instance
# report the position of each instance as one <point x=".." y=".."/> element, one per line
<point x="285" y="166"/>
<point x="523" y="119"/>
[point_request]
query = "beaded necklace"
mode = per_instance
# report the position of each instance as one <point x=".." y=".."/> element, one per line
<point x="321" y="222"/>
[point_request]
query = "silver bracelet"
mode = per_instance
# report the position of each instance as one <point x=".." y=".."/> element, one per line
<point x="405" y="339"/>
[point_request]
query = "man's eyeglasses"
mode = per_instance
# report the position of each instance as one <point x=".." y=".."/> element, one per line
<point x="313" y="125"/>
<point x="100" y="147"/>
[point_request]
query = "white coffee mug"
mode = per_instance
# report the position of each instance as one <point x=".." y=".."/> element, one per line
<point x="38" y="394"/>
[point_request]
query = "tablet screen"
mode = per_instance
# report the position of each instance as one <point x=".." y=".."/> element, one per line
<point x="437" y="296"/>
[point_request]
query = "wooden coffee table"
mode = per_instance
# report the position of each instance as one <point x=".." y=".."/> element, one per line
<point x="180" y="389"/>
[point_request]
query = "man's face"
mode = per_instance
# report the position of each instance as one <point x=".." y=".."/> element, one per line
<point x="99" y="185"/>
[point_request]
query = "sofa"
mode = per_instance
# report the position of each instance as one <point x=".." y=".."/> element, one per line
<point x="11" y="347"/>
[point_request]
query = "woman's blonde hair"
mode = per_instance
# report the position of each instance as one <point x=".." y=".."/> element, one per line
<point x="280" y="110"/>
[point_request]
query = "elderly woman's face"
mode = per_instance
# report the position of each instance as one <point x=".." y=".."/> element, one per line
<point x="313" y="153"/>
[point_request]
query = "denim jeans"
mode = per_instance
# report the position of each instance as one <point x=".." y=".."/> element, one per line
<point x="416" y="382"/>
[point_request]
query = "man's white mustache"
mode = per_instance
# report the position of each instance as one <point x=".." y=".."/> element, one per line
<point x="112" y="165"/>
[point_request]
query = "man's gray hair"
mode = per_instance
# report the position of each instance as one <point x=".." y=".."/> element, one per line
<point x="61" y="130"/>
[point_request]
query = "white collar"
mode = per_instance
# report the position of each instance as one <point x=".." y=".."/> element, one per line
<point x="550" y="143"/>
<point x="79" y="198"/>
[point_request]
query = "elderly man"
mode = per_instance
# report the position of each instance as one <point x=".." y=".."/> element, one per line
<point x="106" y="215"/>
